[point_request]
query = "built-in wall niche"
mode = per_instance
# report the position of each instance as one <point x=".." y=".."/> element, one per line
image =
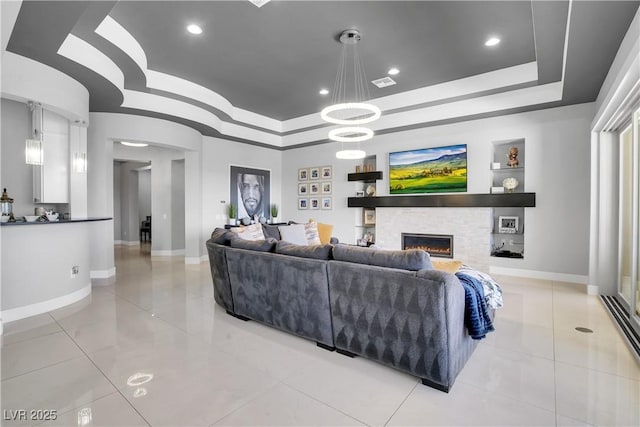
<point x="364" y="177"/>
<point x="507" y="176"/>
<point x="507" y="166"/>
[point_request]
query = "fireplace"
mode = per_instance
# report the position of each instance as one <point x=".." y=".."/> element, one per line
<point x="438" y="245"/>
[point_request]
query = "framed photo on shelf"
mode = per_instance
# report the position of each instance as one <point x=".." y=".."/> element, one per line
<point x="314" y="173"/>
<point x="326" y="187"/>
<point x="508" y="224"/>
<point x="327" y="203"/>
<point x="303" y="174"/>
<point x="303" y="189"/>
<point x="327" y="172"/>
<point x="314" y="188"/>
<point x="314" y="203"/>
<point x="303" y="203"/>
<point x="369" y="217"/>
<point x="359" y="193"/>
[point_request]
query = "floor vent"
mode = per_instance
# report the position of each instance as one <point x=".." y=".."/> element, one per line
<point x="621" y="318"/>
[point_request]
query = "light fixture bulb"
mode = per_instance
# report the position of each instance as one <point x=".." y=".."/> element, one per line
<point x="354" y="106"/>
<point x="194" y="29"/>
<point x="492" y="41"/>
<point x="340" y="134"/>
<point x="350" y="154"/>
<point x="393" y="71"/>
<point x="133" y="144"/>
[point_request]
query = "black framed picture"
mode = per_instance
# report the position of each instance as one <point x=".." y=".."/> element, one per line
<point x="250" y="191"/>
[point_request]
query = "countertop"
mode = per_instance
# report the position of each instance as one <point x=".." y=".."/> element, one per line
<point x="60" y="221"/>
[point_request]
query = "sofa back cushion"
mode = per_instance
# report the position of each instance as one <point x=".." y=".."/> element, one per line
<point x="314" y="252"/>
<point x="410" y="259"/>
<point x="267" y="245"/>
<point x="222" y="236"/>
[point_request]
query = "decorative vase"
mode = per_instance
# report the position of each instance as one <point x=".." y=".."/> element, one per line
<point x="510" y="184"/>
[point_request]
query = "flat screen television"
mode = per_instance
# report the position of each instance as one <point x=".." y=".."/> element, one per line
<point x="428" y="170"/>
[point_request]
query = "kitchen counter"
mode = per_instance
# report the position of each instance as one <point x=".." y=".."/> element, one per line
<point x="45" y="267"/>
<point x="60" y="221"/>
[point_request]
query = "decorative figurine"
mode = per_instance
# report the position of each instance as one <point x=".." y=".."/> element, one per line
<point x="513" y="157"/>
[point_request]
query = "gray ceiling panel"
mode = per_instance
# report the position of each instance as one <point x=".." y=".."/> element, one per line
<point x="273" y="60"/>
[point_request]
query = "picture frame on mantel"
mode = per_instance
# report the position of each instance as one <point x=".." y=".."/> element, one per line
<point x="369" y="217"/>
<point x="508" y="224"/>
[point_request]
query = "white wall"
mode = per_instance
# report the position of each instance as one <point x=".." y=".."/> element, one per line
<point x="177" y="205"/>
<point x="217" y="157"/>
<point x="144" y="194"/>
<point x="557" y="170"/>
<point x="17" y="177"/>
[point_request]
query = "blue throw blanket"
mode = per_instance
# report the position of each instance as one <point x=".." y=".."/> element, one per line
<point x="476" y="313"/>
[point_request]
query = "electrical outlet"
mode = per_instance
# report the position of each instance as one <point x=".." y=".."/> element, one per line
<point x="74" y="271"/>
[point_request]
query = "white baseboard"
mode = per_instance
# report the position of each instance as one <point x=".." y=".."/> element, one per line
<point x="44" y="306"/>
<point x="545" y="275"/>
<point x="127" y="242"/>
<point x="196" y="260"/>
<point x="172" y="252"/>
<point x="102" y="274"/>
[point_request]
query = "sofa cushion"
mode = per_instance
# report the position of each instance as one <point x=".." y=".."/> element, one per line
<point x="410" y="259"/>
<point x="311" y="232"/>
<point x="450" y="266"/>
<point x="314" y="252"/>
<point x="222" y="236"/>
<point x="271" y="231"/>
<point x="293" y="233"/>
<point x="267" y="245"/>
<point x="250" y="232"/>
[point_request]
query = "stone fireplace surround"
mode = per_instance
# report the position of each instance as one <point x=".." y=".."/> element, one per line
<point x="470" y="227"/>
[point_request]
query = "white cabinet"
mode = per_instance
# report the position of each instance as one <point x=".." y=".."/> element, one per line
<point x="51" y="179"/>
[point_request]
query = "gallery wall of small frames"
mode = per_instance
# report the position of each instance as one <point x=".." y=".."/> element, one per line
<point x="315" y="187"/>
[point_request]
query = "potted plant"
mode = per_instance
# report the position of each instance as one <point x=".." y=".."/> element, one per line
<point x="274" y="212"/>
<point x="232" y="212"/>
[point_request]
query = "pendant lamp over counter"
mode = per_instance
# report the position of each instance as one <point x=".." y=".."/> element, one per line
<point x="33" y="147"/>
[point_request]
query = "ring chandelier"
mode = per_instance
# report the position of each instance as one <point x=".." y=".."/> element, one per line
<point x="348" y="101"/>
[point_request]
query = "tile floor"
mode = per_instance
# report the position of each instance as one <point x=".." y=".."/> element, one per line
<point x="154" y="349"/>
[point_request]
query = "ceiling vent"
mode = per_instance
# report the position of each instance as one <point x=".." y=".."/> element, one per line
<point x="384" y="82"/>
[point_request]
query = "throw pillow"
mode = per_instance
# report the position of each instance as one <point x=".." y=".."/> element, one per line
<point x="314" y="252"/>
<point x="251" y="232"/>
<point x="293" y="233"/>
<point x="271" y="231"/>
<point x="311" y="232"/>
<point x="325" y="231"/>
<point x="450" y="266"/>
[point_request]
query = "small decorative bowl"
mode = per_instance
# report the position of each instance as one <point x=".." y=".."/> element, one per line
<point x="52" y="217"/>
<point x="31" y="218"/>
<point x="4" y="218"/>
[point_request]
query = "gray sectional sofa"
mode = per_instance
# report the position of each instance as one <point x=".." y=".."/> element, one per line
<point x="388" y="306"/>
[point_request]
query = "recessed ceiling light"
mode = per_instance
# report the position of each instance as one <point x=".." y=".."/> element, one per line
<point x="393" y="71"/>
<point x="194" y="29"/>
<point x="133" y="144"/>
<point x="259" y="3"/>
<point x="323" y="92"/>
<point x="492" y="41"/>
